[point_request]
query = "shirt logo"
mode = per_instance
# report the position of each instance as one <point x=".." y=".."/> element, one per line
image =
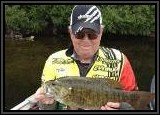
<point x="60" y="70"/>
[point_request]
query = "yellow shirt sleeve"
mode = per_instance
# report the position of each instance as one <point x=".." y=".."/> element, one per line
<point x="48" y="71"/>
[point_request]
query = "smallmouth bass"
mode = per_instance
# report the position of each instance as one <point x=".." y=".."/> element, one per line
<point x="92" y="93"/>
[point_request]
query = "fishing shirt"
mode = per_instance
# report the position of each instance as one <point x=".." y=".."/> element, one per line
<point x="107" y="63"/>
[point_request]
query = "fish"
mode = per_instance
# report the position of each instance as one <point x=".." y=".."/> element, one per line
<point x="93" y="93"/>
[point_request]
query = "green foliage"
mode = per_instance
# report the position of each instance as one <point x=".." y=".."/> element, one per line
<point x="60" y="14"/>
<point x="36" y="18"/>
<point x="123" y="19"/>
<point x="31" y="18"/>
<point x="15" y="18"/>
<point x="129" y="19"/>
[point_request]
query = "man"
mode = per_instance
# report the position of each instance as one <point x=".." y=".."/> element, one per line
<point x="86" y="58"/>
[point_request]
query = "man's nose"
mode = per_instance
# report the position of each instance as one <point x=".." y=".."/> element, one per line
<point x="86" y="37"/>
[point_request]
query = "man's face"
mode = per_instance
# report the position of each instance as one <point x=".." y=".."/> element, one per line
<point x="86" y="42"/>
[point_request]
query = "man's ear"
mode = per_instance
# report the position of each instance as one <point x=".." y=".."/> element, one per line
<point x="102" y="28"/>
<point x="69" y="29"/>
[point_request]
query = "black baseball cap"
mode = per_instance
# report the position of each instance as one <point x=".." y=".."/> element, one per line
<point x="85" y="16"/>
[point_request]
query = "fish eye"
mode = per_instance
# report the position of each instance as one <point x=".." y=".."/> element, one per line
<point x="70" y="88"/>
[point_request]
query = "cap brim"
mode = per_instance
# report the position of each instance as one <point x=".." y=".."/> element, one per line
<point x="93" y="26"/>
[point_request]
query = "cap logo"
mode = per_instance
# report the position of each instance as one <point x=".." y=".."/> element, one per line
<point x="81" y="17"/>
<point x="90" y="16"/>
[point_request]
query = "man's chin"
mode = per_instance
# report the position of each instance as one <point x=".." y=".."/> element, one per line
<point x="87" y="55"/>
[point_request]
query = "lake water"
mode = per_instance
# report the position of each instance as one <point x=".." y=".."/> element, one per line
<point x="24" y="62"/>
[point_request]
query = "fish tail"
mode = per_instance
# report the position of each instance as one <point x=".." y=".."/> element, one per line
<point x="143" y="99"/>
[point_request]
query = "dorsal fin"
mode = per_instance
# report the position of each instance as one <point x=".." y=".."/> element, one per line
<point x="106" y="81"/>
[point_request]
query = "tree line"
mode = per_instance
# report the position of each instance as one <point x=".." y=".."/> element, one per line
<point x="53" y="19"/>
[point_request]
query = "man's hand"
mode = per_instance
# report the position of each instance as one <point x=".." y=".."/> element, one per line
<point x="111" y="106"/>
<point x="117" y="106"/>
<point x="42" y="98"/>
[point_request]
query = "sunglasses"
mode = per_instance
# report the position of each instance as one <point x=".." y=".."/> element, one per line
<point x="91" y="35"/>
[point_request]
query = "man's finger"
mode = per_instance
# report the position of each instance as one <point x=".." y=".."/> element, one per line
<point x="113" y="105"/>
<point x="103" y="108"/>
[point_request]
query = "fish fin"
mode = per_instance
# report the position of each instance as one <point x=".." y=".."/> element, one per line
<point x="144" y="98"/>
<point x="106" y="81"/>
<point x="113" y="83"/>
